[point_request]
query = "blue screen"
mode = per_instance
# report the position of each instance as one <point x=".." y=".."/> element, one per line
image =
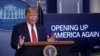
<point x="84" y="29"/>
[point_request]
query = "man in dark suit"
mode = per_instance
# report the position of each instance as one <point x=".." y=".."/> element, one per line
<point x="22" y="32"/>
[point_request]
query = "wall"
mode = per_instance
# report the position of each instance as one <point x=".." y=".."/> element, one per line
<point x="69" y="6"/>
<point x="94" y="6"/>
<point x="5" y="47"/>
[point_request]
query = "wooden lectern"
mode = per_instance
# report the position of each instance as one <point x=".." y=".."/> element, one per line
<point x="36" y="49"/>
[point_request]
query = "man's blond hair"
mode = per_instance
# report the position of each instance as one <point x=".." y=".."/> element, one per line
<point x="30" y="9"/>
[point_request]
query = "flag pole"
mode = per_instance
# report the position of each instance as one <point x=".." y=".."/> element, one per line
<point x="40" y="12"/>
<point x="39" y="1"/>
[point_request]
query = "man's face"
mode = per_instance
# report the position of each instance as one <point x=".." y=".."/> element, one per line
<point x="31" y="17"/>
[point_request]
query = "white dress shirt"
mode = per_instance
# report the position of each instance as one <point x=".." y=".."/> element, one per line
<point x="29" y="29"/>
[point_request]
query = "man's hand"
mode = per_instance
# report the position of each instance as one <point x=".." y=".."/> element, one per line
<point x="52" y="38"/>
<point x="21" y="40"/>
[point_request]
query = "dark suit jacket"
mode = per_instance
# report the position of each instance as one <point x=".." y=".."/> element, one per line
<point x="22" y="29"/>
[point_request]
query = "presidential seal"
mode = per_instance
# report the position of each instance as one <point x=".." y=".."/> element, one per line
<point x="50" y="50"/>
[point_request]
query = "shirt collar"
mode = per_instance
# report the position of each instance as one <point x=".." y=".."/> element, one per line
<point x="29" y="25"/>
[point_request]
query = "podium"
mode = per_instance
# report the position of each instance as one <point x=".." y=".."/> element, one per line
<point x="37" y="49"/>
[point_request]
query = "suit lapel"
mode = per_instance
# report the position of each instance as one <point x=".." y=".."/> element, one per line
<point x="38" y="32"/>
<point x="26" y="32"/>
